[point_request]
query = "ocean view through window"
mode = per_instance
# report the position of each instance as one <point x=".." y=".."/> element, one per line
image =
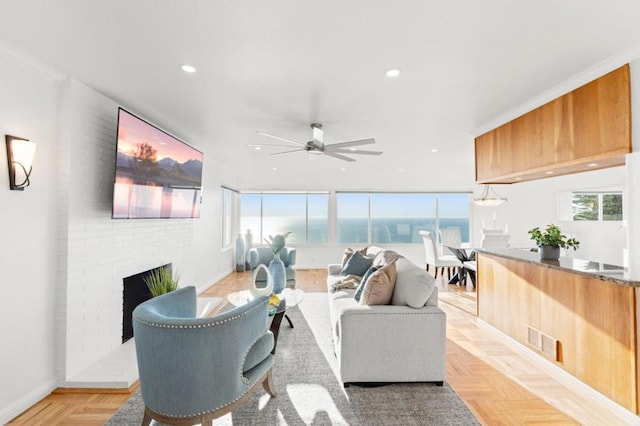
<point x="366" y="218"/>
<point x="305" y="215"/>
<point x="397" y="218"/>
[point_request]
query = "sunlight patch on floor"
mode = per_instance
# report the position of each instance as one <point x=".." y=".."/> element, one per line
<point x="314" y="404"/>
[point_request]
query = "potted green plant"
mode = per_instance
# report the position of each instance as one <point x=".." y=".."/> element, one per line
<point x="161" y="281"/>
<point x="551" y="241"/>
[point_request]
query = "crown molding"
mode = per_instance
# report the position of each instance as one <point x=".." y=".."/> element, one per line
<point x="30" y="62"/>
<point x="601" y="68"/>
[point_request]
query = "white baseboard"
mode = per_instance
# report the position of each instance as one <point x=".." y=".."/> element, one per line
<point x="561" y="375"/>
<point x="14" y="410"/>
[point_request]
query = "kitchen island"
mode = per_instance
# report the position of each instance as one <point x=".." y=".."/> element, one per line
<point x="578" y="314"/>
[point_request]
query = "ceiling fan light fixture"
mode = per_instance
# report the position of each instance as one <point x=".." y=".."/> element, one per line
<point x="488" y="198"/>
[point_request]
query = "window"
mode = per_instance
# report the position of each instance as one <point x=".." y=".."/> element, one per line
<point x="229" y="202"/>
<point x="304" y="215"/>
<point x="589" y="206"/>
<point x="398" y="217"/>
<point x="453" y="212"/>
<point x="353" y="218"/>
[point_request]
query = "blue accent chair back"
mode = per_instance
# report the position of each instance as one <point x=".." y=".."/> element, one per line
<point x="198" y="369"/>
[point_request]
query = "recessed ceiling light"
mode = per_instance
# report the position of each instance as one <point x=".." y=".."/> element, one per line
<point x="188" y="68"/>
<point x="393" y="72"/>
<point x="342" y="169"/>
<point x="274" y="168"/>
<point x="434" y="150"/>
<point x="258" y="148"/>
<point x="592" y="164"/>
<point x="352" y="149"/>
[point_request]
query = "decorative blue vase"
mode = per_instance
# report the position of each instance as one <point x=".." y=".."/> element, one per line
<point x="239" y="253"/>
<point x="248" y="243"/>
<point x="278" y="274"/>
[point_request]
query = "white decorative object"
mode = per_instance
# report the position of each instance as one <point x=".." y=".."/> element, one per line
<point x="261" y="291"/>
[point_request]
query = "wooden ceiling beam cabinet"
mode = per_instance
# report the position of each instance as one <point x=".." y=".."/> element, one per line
<point x="586" y="129"/>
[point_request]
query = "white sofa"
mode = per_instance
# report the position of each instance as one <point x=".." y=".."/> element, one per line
<point x="389" y="343"/>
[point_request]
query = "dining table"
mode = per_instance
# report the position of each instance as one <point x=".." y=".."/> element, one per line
<point x="463" y="254"/>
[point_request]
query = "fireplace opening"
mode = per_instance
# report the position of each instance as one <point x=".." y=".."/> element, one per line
<point x="135" y="291"/>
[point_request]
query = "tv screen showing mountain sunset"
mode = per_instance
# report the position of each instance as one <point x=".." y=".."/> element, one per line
<point x="157" y="175"/>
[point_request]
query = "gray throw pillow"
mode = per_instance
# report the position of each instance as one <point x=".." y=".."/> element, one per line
<point x="414" y="285"/>
<point x="366" y="276"/>
<point x="357" y="264"/>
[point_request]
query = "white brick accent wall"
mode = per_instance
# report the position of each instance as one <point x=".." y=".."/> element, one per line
<point x="97" y="251"/>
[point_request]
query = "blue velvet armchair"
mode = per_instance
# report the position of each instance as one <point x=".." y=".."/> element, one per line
<point x="264" y="255"/>
<point x="198" y="369"/>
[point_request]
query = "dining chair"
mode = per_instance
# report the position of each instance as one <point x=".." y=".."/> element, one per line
<point x="495" y="241"/>
<point x="432" y="258"/>
<point x="449" y="237"/>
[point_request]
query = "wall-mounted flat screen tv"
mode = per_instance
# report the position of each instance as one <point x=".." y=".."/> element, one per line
<point x="157" y="175"/>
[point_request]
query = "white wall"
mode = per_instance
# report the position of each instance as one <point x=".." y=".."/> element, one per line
<point x="29" y="256"/>
<point x="63" y="257"/>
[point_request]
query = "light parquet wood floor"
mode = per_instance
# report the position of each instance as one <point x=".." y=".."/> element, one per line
<point x="497" y="384"/>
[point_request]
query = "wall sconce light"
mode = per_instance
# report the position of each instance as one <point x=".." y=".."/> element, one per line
<point x="20" y="159"/>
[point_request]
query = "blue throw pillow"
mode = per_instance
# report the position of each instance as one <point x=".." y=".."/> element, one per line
<point x="356" y="265"/>
<point x="365" y="277"/>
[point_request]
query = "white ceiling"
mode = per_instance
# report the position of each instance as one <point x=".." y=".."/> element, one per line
<point x="277" y="66"/>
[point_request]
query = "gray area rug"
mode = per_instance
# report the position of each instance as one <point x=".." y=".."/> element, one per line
<point x="309" y="392"/>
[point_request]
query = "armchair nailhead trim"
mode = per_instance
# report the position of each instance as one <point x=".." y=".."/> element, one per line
<point x="244" y="358"/>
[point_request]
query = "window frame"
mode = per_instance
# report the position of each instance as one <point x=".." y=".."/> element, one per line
<point x="229" y="210"/>
<point x="600" y="195"/>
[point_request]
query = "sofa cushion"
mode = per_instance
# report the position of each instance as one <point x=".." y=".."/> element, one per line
<point x="348" y="252"/>
<point x="357" y="264"/>
<point x="384" y="257"/>
<point x="366" y="276"/>
<point x="378" y="289"/>
<point x="413" y="286"/>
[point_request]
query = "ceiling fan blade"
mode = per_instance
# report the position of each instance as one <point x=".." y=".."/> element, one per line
<point x="286" y="152"/>
<point x="348" y="151"/>
<point x="338" y="156"/>
<point x="279" y="138"/>
<point x="350" y="143"/>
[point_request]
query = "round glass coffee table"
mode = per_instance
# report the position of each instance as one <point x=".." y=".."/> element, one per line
<point x="289" y="298"/>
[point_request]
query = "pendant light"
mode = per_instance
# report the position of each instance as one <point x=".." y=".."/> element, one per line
<point x="489" y="198"/>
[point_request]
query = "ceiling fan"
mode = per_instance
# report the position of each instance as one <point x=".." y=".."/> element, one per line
<point x="316" y="146"/>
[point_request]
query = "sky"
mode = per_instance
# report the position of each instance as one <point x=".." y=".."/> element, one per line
<point x="133" y="131"/>
<point x="356" y="205"/>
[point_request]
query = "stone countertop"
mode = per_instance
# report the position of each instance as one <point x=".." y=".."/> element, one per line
<point x="603" y="271"/>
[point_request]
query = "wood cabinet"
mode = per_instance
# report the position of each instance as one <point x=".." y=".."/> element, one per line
<point x="586" y="129"/>
<point x="593" y="320"/>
